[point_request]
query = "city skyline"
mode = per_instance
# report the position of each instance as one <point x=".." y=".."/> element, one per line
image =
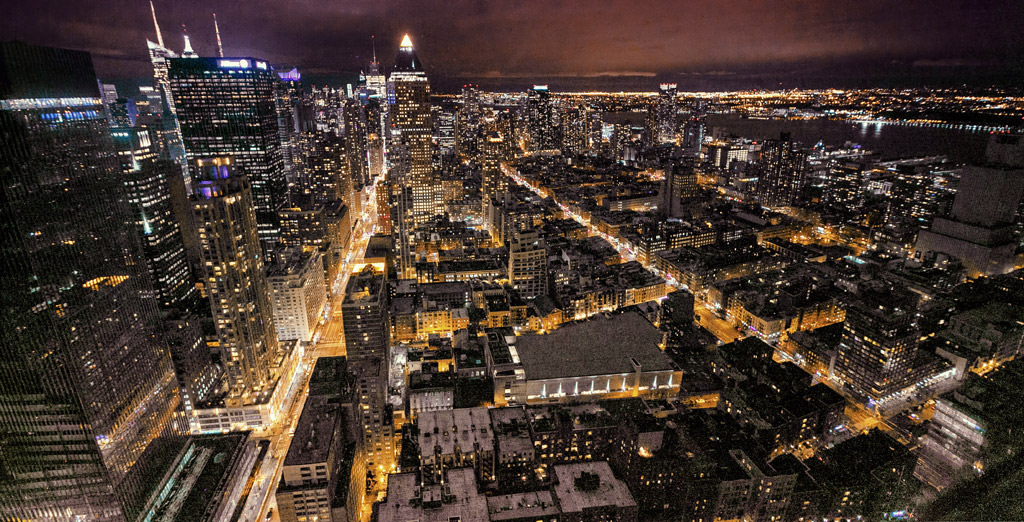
<point x="237" y="293"/>
<point x="768" y="46"/>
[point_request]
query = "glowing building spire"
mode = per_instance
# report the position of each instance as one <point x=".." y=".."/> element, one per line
<point x="159" y="36"/>
<point x="406" y="42"/>
<point x="373" y="43"/>
<point x="187" y="52"/>
<point x="216" y="29"/>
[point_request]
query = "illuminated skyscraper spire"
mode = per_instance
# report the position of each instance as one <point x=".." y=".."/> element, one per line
<point x="187" y="52"/>
<point x="216" y="29"/>
<point x="159" y="36"/>
<point x="406" y="60"/>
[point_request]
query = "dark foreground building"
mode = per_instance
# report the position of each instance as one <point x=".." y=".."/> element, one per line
<point x="87" y="395"/>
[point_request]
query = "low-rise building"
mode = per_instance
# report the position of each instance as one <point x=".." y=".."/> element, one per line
<point x="456" y="438"/>
<point x="618" y="356"/>
<point x="454" y="498"/>
<point x="589" y="491"/>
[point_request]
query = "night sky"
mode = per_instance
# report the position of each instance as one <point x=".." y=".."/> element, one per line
<point x="572" y="45"/>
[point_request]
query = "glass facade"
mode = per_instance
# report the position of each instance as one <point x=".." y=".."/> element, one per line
<point x="88" y="396"/>
<point x="226" y="107"/>
<point x="149" y="195"/>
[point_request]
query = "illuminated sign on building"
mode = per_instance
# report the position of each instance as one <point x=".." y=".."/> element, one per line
<point x="236" y="64"/>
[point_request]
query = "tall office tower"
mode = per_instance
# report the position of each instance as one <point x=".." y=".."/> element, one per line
<point x="374" y="149"/>
<point x="780" y="172"/>
<point x="505" y="125"/>
<point x="528" y="264"/>
<point x="879" y="342"/>
<point x="444" y="129"/>
<point x="468" y="123"/>
<point x="692" y="136"/>
<point x="540" y="119"/>
<point x="325" y="176"/>
<point x="376" y="112"/>
<point x="665" y="115"/>
<point x="108" y="93"/>
<point x="88" y="392"/>
<point x="288" y="98"/>
<point x="376" y="82"/>
<point x="364" y="314"/>
<point x="980" y="230"/>
<point x="574" y="131"/>
<point x="122" y="112"/>
<point x="160" y="57"/>
<point x="166" y="135"/>
<point x="149" y="195"/>
<point x="353" y="130"/>
<point x="226" y="108"/>
<point x="680" y="183"/>
<point x="198" y="375"/>
<point x="843" y="184"/>
<point x="223" y="210"/>
<point x="493" y="182"/>
<point x="134" y="147"/>
<point x="400" y="202"/>
<point x="384" y="223"/>
<point x="375" y="416"/>
<point x="411" y="125"/>
<point x="154" y="101"/>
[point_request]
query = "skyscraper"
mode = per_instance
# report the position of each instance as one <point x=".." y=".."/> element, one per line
<point x="780" y="172"/>
<point x="88" y="393"/>
<point x="226" y="108"/>
<point x="467" y="135"/>
<point x="494" y="182"/>
<point x="134" y="147"/>
<point x="222" y="206"/>
<point x="540" y="119"/>
<point x="665" y="115"/>
<point x="574" y="131"/>
<point x="979" y="232"/>
<point x="365" y="317"/>
<point x="353" y="128"/>
<point x="528" y="264"/>
<point x="169" y="134"/>
<point x="367" y="341"/>
<point x="680" y="183"/>
<point x="149" y="196"/>
<point x="412" y="127"/>
<point x="879" y="343"/>
<point x="289" y="105"/>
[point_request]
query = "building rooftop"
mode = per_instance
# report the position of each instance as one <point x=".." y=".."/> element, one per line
<point x="600" y="346"/>
<point x="457" y="499"/>
<point x="537" y="504"/>
<point x="314" y="432"/>
<point x="512" y="428"/>
<point x="587" y="485"/>
<point x="292" y="262"/>
<point x="364" y="286"/>
<point x="202" y="468"/>
<point x="466" y="428"/>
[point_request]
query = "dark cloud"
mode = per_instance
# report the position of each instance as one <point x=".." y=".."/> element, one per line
<point x="606" y="40"/>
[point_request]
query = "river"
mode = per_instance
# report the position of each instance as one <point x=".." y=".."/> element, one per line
<point x="890" y="141"/>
